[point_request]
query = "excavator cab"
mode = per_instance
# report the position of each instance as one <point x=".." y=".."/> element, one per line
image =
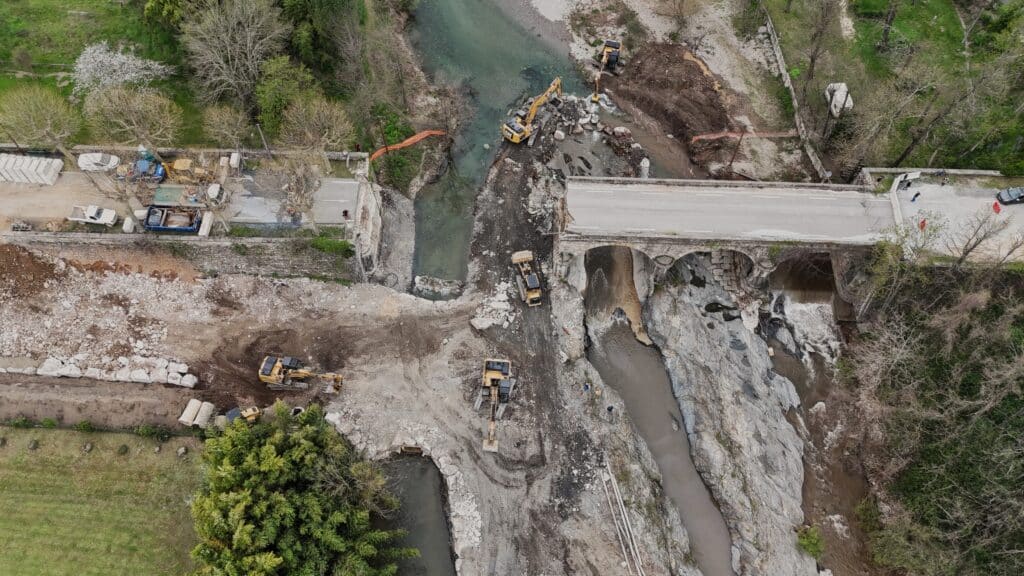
<point x="610" y="54"/>
<point x="514" y="132"/>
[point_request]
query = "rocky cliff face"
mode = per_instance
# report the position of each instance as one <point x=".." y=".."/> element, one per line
<point x="734" y="407"/>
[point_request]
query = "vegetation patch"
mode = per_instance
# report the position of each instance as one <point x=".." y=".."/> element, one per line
<point x="68" y="511"/>
<point x="288" y="495"/>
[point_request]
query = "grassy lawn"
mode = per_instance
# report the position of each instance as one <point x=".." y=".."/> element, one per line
<point x="53" y="32"/>
<point x="931" y="26"/>
<point x="68" y="512"/>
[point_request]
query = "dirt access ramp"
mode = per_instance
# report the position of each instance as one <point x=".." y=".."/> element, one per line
<point x="671" y="84"/>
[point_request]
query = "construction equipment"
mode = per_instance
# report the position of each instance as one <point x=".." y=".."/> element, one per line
<point x="496" y="389"/>
<point x="287" y="373"/>
<point x="520" y="126"/>
<point x="528" y="278"/>
<point x="609" y="60"/>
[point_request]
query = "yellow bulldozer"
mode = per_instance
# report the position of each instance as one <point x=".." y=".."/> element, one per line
<point x="520" y="127"/>
<point x="289" y="373"/>
<point x="496" y="389"/>
<point x="527" y="277"/>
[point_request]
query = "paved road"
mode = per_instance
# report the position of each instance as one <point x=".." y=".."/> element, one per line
<point x="689" y="210"/>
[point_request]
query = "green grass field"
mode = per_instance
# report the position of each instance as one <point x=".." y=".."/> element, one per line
<point x="52" y="33"/>
<point x="65" y="512"/>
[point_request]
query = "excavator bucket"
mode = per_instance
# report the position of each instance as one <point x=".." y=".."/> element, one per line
<point x="490" y="445"/>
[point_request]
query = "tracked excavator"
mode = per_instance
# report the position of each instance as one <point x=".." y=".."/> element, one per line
<point x="610" y="53"/>
<point x="288" y="373"/>
<point x="496" y="390"/>
<point x="520" y="127"/>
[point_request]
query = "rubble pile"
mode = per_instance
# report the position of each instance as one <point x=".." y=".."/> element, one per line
<point x="495" y="309"/>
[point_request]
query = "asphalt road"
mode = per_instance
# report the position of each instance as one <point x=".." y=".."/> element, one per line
<point x="732" y="212"/>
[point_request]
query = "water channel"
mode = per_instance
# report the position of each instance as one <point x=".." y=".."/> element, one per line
<point x="417" y="483"/>
<point x="637" y="373"/>
<point x="474" y="46"/>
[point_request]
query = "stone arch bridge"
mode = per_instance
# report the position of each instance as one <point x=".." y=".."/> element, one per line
<point x="747" y="227"/>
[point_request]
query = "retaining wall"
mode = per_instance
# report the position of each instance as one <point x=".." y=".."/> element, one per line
<point x="284" y="257"/>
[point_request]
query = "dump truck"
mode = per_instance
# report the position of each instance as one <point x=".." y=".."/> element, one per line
<point x="93" y="215"/>
<point x="184" y="219"/>
<point x="496" y="390"/>
<point x="527" y="277"/>
<point x="289" y="373"/>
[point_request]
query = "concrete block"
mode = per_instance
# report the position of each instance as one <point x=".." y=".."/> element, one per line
<point x="189" y="381"/>
<point x="50" y="367"/>
<point x="141" y="376"/>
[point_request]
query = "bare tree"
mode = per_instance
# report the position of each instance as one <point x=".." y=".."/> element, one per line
<point x="890" y="16"/>
<point x="38" y="116"/>
<point x="978" y="231"/>
<point x="228" y="41"/>
<point x="824" y="23"/>
<point x="134" y="116"/>
<point x="227" y="125"/>
<point x="315" y="124"/>
<point x="303" y="174"/>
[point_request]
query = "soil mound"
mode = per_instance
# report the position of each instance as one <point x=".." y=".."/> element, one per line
<point x="670" y="83"/>
<point x="25" y="274"/>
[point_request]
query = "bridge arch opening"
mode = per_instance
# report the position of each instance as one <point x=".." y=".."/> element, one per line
<point x="618" y="277"/>
<point x="734" y="270"/>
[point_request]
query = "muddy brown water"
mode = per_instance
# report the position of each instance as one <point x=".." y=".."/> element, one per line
<point x="417" y="483"/>
<point x="637" y="373"/>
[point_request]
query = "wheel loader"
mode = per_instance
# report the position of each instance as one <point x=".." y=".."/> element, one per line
<point x="496" y="389"/>
<point x="527" y="277"/>
<point x="289" y="373"/>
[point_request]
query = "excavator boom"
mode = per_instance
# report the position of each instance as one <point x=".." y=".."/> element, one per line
<point x="519" y="128"/>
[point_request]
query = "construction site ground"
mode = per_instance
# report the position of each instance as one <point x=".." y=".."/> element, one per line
<point x="47" y="207"/>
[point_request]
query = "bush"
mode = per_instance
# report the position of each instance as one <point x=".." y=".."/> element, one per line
<point x="84" y="426"/>
<point x="809" y="540"/>
<point x="150" y="431"/>
<point x="48" y="423"/>
<point x="122" y="450"/>
<point x="23" y="422"/>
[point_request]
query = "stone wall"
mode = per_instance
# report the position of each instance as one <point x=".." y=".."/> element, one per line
<point x="284" y="257"/>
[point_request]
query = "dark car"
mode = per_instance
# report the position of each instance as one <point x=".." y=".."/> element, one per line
<point x="1011" y="195"/>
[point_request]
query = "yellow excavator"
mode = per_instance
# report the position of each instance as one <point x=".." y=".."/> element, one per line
<point x="496" y="389"/>
<point x="520" y="126"/>
<point x="610" y="53"/>
<point x="287" y="373"/>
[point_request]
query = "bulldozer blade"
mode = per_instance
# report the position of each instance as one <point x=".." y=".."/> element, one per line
<point x="490" y="445"/>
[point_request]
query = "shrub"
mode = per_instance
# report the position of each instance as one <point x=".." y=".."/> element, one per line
<point x="85" y="426"/>
<point x="150" y="431"/>
<point x="48" y="423"/>
<point x="23" y="422"/>
<point x="809" y="540"/>
<point x="122" y="449"/>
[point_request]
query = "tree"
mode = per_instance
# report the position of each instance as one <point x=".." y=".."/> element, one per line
<point x="314" y="23"/>
<point x="316" y="124"/>
<point x="134" y="116"/>
<point x="98" y="67"/>
<point x="282" y="82"/>
<point x="890" y="16"/>
<point x="38" y="116"/>
<point x="303" y="174"/>
<point x="287" y="495"/>
<point x="227" y="43"/>
<point x="227" y="125"/>
<point x="169" y="13"/>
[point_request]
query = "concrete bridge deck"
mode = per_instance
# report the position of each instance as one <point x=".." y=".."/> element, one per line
<point x="747" y="212"/>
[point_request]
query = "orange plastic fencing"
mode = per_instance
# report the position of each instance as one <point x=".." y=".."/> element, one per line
<point x="407" y="142"/>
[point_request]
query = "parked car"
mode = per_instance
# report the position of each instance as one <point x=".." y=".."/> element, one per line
<point x="1011" y="195"/>
<point x="97" y="162"/>
<point x="93" y="215"/>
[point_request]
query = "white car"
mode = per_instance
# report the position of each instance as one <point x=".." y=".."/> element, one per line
<point x="93" y="215"/>
<point x="97" y="162"/>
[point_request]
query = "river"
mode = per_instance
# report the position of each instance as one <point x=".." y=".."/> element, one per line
<point x="637" y="373"/>
<point x="494" y="61"/>
<point x="417" y="483"/>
